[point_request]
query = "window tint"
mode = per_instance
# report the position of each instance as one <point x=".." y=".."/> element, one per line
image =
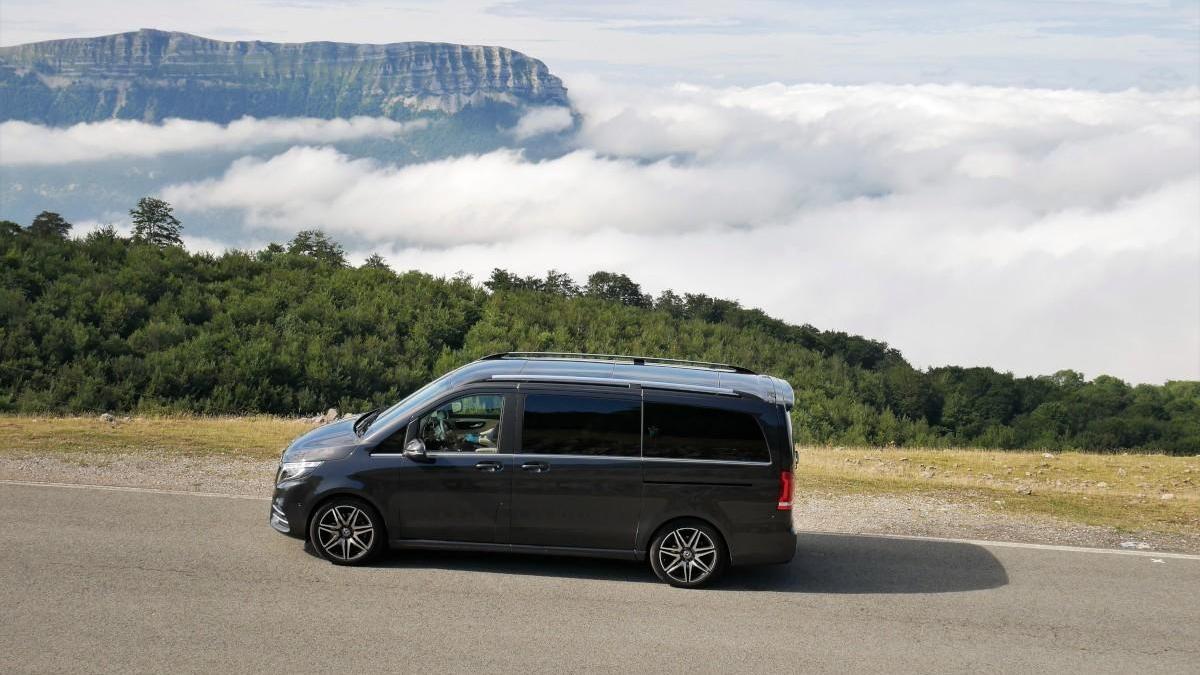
<point x="691" y="432"/>
<point x="580" y="425"/>
<point x="467" y="424"/>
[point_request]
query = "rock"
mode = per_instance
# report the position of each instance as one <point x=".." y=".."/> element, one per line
<point x="1101" y="484"/>
<point x="331" y="415"/>
<point x="1139" y="545"/>
<point x="1024" y="490"/>
<point x="1166" y="496"/>
<point x="1047" y="455"/>
<point x="262" y="79"/>
<point x="108" y="417"/>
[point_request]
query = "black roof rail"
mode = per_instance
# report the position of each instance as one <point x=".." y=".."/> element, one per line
<point x="618" y="358"/>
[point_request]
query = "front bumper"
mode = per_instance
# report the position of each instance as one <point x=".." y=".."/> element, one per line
<point x="279" y="520"/>
<point x="289" y="512"/>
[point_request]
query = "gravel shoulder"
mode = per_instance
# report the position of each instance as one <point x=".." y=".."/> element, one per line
<point x="927" y="516"/>
<point x="913" y="515"/>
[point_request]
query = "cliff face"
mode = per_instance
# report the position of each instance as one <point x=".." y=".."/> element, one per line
<point x="151" y="75"/>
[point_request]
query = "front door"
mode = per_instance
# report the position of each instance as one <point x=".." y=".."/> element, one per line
<point x="460" y="490"/>
<point x="578" y="476"/>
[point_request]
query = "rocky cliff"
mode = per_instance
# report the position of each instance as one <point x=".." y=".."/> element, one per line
<point x="151" y="75"/>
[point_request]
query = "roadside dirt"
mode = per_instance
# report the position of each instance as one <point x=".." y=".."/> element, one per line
<point x="847" y="513"/>
<point x="917" y="515"/>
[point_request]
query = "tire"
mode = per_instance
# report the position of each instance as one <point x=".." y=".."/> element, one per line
<point x="688" y="554"/>
<point x="347" y="531"/>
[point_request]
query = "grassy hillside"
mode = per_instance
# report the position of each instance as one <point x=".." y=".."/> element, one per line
<point x="106" y="323"/>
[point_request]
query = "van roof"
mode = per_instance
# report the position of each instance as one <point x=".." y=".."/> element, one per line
<point x="643" y="371"/>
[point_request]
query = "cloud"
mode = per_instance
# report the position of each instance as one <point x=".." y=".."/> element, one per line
<point x="543" y="120"/>
<point x="1025" y="229"/>
<point x="22" y="143"/>
<point x="485" y="198"/>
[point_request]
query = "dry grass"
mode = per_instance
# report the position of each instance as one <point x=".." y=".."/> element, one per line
<point x="258" y="437"/>
<point x="1122" y="491"/>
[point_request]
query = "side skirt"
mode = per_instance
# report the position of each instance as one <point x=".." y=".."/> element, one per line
<point x="439" y="545"/>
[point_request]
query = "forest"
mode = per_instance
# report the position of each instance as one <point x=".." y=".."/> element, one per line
<point x="105" y="322"/>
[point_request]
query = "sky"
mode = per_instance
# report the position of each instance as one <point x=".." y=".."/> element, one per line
<point x="1012" y="184"/>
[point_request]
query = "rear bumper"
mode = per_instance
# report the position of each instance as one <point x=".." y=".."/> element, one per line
<point x="773" y="545"/>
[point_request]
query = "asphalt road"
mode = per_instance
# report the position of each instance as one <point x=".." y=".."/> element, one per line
<point x="96" y="580"/>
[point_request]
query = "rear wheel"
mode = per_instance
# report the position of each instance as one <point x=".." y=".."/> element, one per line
<point x="688" y="554"/>
<point x="346" y="531"/>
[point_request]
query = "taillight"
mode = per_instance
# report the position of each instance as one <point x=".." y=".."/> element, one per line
<point x="785" y="491"/>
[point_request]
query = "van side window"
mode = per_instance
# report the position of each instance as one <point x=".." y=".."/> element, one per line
<point x="466" y="424"/>
<point x="676" y="431"/>
<point x="580" y="425"/>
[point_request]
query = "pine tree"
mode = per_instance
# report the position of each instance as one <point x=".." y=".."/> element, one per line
<point x="155" y="223"/>
<point x="49" y="224"/>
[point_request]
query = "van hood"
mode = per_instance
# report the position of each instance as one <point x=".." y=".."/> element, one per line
<point x="331" y="441"/>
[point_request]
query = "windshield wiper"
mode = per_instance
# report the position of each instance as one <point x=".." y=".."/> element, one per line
<point x="363" y="422"/>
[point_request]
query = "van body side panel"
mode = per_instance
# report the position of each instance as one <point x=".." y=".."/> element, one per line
<point x="738" y="497"/>
<point x="577" y="478"/>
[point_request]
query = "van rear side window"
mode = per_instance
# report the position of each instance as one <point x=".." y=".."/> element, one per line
<point x="580" y="425"/>
<point x="676" y="431"/>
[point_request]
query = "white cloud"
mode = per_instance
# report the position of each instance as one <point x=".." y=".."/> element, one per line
<point x="485" y="198"/>
<point x="543" y="120"/>
<point x="1025" y="229"/>
<point x="22" y="143"/>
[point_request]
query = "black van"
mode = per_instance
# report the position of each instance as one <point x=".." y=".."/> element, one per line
<point x="686" y="463"/>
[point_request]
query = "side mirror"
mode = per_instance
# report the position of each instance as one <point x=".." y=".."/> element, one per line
<point x="415" y="450"/>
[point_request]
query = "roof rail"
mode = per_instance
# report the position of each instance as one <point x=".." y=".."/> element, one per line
<point x="617" y="382"/>
<point x="617" y="358"/>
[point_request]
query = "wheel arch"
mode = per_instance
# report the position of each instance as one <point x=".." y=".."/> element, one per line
<point x="336" y="493"/>
<point x="668" y="521"/>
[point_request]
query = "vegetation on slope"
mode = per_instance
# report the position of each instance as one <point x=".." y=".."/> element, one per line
<point x="122" y="324"/>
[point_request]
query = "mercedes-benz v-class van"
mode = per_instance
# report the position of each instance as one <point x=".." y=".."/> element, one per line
<point x="686" y="464"/>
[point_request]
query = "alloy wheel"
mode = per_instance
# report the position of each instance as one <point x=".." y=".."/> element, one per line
<point x="345" y="533"/>
<point x="687" y="555"/>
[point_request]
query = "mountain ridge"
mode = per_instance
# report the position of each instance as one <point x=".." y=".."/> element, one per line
<point x="151" y="75"/>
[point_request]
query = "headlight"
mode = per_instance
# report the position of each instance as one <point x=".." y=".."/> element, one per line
<point x="294" y="470"/>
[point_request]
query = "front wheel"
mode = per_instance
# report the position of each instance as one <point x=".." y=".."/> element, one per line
<point x="346" y="531"/>
<point x="688" y="554"/>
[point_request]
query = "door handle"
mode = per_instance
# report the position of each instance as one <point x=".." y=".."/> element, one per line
<point x="490" y="467"/>
<point x="535" y="467"/>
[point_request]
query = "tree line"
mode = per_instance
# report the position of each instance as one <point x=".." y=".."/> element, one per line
<point x="105" y="322"/>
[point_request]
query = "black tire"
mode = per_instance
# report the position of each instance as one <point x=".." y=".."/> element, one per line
<point x="354" y="518"/>
<point x="688" y="553"/>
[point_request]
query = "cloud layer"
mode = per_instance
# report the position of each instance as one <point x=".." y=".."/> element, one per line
<point x="1025" y="229"/>
<point x="32" y="144"/>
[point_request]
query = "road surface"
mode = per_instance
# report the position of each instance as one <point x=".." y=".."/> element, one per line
<point x="103" y="580"/>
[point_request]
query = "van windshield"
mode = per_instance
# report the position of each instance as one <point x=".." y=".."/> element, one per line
<point x="412" y="401"/>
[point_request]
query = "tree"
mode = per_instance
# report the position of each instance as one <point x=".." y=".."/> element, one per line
<point x="560" y="283"/>
<point x="49" y="224"/>
<point x="616" y="287"/>
<point x="316" y="244"/>
<point x="155" y="223"/>
<point x="376" y="262"/>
